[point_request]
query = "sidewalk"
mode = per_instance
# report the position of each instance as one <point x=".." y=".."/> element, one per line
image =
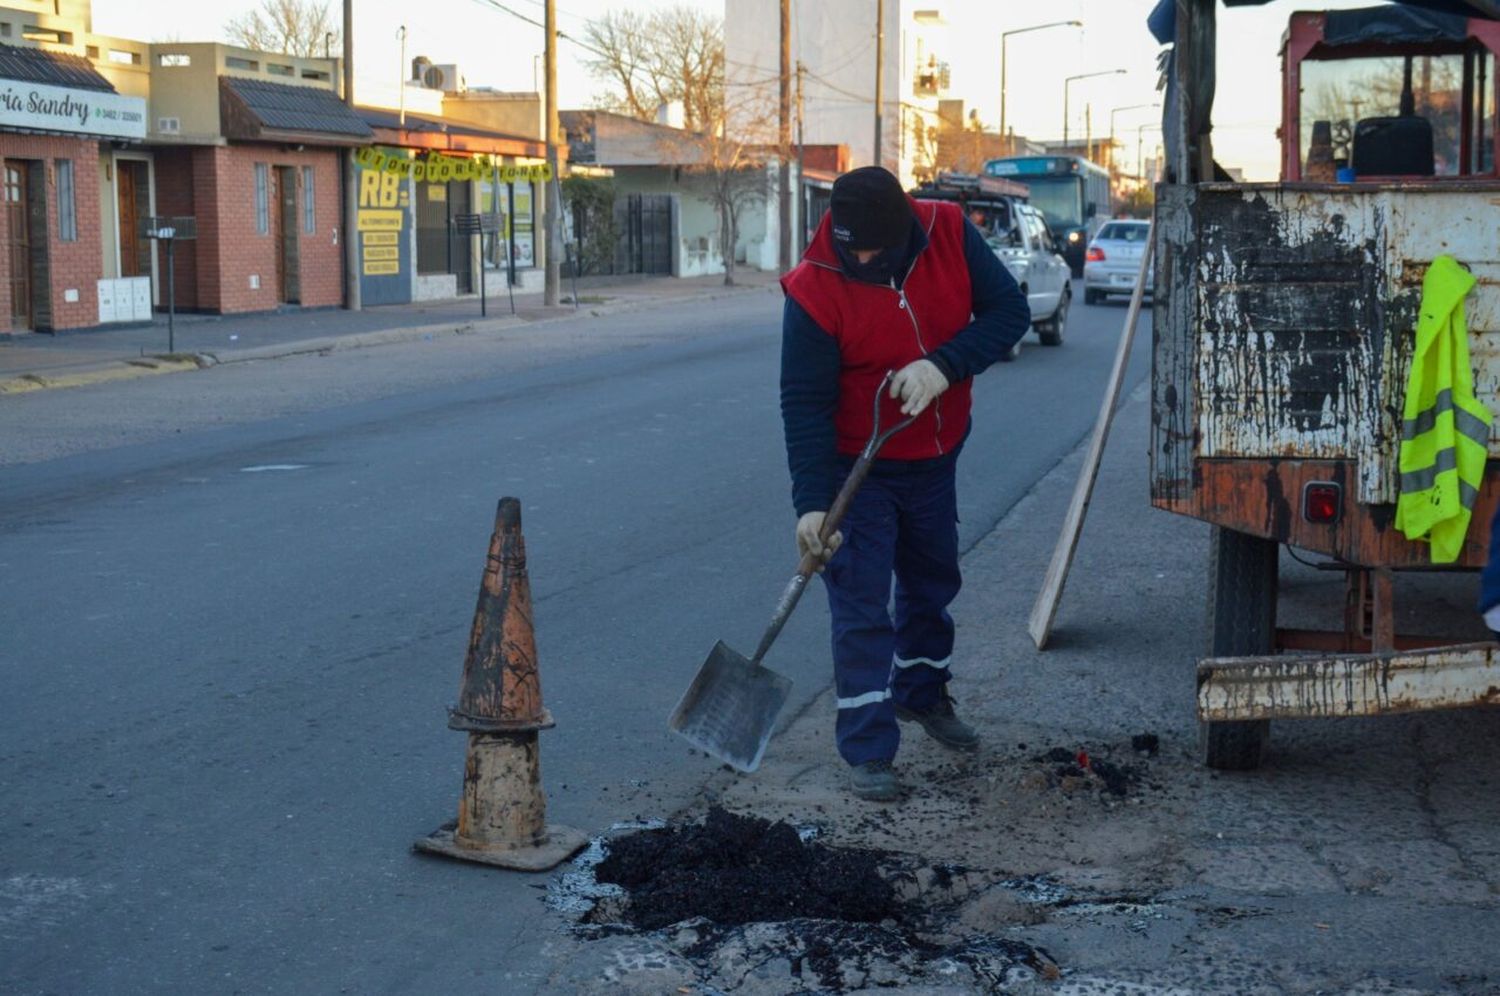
<point x="36" y="361"/>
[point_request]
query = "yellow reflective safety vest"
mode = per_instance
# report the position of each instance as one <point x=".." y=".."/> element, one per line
<point x="1445" y="433"/>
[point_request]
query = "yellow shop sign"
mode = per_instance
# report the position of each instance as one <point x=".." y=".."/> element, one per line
<point x="438" y="168"/>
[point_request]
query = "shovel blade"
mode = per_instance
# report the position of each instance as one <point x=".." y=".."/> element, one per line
<point x="731" y="707"/>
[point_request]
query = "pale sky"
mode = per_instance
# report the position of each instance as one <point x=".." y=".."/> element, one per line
<point x="494" y="48"/>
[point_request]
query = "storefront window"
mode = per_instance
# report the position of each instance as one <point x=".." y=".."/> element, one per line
<point x="524" y="235"/>
<point x="494" y="202"/>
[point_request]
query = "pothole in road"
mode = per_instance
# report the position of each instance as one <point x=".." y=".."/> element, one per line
<point x="760" y="906"/>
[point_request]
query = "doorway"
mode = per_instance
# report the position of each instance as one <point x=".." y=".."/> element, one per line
<point x="133" y="185"/>
<point x="460" y="247"/>
<point x="288" y="257"/>
<point x="26" y="228"/>
<point x="18" y="227"/>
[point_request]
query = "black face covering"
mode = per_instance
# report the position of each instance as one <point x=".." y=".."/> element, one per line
<point x="884" y="267"/>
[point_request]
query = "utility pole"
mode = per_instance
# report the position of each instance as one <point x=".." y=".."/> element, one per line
<point x="1069" y="81"/>
<point x="879" y="76"/>
<point x="554" y="209"/>
<point x="801" y="169"/>
<point x="351" y="181"/>
<point x="784" y="140"/>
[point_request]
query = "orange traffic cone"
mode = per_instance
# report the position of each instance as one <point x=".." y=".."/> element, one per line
<point x="502" y="818"/>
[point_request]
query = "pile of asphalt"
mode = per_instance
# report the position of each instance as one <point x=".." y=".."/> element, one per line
<point x="734" y="869"/>
<point x="736" y="891"/>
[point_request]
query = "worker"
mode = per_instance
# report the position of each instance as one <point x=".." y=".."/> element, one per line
<point x="889" y="284"/>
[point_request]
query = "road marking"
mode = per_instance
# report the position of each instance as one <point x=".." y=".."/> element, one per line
<point x="261" y="467"/>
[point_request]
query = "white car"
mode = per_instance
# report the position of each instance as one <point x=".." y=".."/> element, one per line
<point x="1028" y="252"/>
<point x="1113" y="261"/>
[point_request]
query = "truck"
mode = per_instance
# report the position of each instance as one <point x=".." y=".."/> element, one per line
<point x="1283" y="321"/>
<point x="1020" y="238"/>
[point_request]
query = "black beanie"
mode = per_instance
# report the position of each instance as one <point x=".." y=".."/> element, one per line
<point x="869" y="210"/>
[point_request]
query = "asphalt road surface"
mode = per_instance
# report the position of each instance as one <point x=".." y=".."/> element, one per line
<point x="234" y="605"/>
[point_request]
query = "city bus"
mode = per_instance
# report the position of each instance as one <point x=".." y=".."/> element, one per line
<point x="1071" y="192"/>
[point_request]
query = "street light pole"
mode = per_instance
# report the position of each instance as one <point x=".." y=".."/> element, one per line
<point x="1112" y="112"/>
<point x="1005" y="35"/>
<point x="1068" y="83"/>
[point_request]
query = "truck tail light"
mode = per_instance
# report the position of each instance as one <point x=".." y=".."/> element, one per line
<point x="1095" y="254"/>
<point x="1322" y="501"/>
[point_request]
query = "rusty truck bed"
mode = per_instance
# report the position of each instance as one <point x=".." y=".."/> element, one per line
<point x="1282" y="338"/>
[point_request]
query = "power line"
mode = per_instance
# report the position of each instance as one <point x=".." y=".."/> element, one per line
<point x="496" y="4"/>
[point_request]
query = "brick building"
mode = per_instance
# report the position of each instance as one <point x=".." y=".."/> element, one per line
<point x="59" y="119"/>
<point x="265" y="195"/>
<point x="98" y="135"/>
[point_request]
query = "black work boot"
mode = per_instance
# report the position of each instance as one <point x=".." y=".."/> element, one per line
<point x="941" y="724"/>
<point x="875" y="781"/>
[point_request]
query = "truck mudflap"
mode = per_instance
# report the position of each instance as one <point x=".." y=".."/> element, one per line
<point x="1233" y="689"/>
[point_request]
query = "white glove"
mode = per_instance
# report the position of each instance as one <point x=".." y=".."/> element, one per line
<point x="808" y="528"/>
<point x="918" y="385"/>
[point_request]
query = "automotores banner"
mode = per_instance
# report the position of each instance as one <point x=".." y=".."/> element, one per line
<point x="438" y="168"/>
<point x="39" y="107"/>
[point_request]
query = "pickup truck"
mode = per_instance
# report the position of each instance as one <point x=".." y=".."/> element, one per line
<point x="1018" y="234"/>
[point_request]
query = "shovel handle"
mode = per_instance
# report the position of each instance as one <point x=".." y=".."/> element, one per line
<point x="857" y="474"/>
<point x="809" y="564"/>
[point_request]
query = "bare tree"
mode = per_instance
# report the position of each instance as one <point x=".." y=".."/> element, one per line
<point x="731" y="166"/>
<point x="674" y="55"/>
<point x="293" y="27"/>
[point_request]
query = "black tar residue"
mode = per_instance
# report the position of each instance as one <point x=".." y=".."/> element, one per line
<point x="738" y="869"/>
<point x="1116" y="779"/>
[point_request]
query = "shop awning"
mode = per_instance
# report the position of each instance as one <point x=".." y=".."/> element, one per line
<point x="34" y="65"/>
<point x="53" y="93"/>
<point x="260" y="111"/>
<point x="422" y="131"/>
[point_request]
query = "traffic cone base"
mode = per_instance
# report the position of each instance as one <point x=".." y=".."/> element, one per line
<point x="560" y="844"/>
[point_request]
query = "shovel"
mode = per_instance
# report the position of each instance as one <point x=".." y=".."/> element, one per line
<point x="730" y="708"/>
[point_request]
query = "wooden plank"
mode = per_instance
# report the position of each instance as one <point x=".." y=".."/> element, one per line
<point x="1306" y="687"/>
<point x="1045" y="610"/>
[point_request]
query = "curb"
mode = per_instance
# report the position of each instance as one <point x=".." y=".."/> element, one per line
<point x="113" y="370"/>
<point x="146" y="366"/>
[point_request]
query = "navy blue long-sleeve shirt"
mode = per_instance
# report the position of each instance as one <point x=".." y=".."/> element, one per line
<point x="810" y="365"/>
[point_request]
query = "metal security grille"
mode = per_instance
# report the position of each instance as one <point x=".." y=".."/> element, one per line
<point x="643" y="223"/>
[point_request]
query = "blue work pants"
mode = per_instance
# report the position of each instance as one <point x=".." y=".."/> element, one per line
<point x="901" y="524"/>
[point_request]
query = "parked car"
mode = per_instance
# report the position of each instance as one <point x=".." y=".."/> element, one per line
<point x="1113" y="260"/>
<point x="1026" y="248"/>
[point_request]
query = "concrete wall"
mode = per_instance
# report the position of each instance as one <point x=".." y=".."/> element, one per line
<point x="828" y="36"/>
<point x="696" y="252"/>
<point x="508" y="113"/>
<point x="185" y="83"/>
<point x="73" y="268"/>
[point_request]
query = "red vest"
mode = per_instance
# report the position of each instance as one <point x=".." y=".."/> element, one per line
<point x="879" y="329"/>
